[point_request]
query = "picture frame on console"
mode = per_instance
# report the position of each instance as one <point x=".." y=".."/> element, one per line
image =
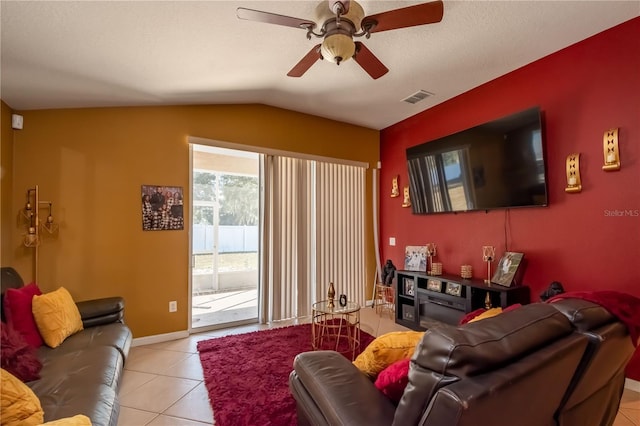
<point x="415" y="258"/>
<point x="409" y="289"/>
<point x="454" y="289"/>
<point x="507" y="268"/>
<point x="434" y="285"/>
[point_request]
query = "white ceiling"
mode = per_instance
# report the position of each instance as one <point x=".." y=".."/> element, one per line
<point x="63" y="54"/>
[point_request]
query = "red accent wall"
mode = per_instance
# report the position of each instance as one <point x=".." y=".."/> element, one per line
<point x="587" y="241"/>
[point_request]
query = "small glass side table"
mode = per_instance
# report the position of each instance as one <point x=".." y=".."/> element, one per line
<point x="336" y="328"/>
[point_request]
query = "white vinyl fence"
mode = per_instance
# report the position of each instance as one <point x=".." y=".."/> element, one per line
<point x="231" y="239"/>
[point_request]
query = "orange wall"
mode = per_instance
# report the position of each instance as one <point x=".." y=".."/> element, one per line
<point x="6" y="176"/>
<point x="91" y="163"/>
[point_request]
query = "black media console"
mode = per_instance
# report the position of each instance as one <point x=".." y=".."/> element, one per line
<point x="422" y="299"/>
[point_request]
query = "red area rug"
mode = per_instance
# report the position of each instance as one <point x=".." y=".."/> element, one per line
<point x="247" y="375"/>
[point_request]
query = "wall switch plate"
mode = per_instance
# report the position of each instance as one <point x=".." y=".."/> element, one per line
<point x="392" y="241"/>
<point x="173" y="306"/>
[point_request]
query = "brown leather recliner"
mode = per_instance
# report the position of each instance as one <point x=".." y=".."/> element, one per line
<point x="598" y="383"/>
<point x="531" y="366"/>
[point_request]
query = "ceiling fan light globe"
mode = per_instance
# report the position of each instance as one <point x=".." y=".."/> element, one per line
<point x="337" y="48"/>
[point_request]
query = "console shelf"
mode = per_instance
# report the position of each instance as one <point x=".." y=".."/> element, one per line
<point x="423" y="299"/>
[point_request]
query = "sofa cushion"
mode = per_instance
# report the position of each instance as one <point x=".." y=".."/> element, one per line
<point x="88" y="385"/>
<point x="17" y="356"/>
<point x="387" y="349"/>
<point x="17" y="309"/>
<point x="79" y="420"/>
<point x="57" y="316"/>
<point x="116" y="335"/>
<point x="19" y="406"/>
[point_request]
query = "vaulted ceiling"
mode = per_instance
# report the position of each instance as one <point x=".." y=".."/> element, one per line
<point x="64" y="54"/>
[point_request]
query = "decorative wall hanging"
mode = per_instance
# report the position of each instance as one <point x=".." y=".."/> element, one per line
<point x="407" y="198"/>
<point x="610" y="150"/>
<point x="162" y="208"/>
<point x="574" y="183"/>
<point x="395" y="192"/>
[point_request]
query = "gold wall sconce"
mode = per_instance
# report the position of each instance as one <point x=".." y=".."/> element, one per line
<point x="407" y="198"/>
<point x="610" y="150"/>
<point x="395" y="192"/>
<point x="35" y="225"/>
<point x="31" y="213"/>
<point x="574" y="183"/>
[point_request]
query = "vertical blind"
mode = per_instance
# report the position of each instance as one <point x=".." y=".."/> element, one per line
<point x="340" y="251"/>
<point x="312" y="234"/>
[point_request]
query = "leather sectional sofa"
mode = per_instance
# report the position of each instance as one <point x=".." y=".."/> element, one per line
<point x="82" y="375"/>
<point x="541" y="364"/>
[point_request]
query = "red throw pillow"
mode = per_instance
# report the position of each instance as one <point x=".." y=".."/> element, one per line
<point x="392" y="380"/>
<point x="17" y="356"/>
<point x="511" y="307"/>
<point x="471" y="315"/>
<point x="17" y="310"/>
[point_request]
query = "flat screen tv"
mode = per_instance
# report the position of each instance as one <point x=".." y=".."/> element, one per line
<point x="496" y="165"/>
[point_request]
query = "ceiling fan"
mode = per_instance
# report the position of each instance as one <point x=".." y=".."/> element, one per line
<point x="342" y="20"/>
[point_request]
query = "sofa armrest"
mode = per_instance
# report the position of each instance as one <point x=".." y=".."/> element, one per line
<point x="332" y="391"/>
<point x="101" y="311"/>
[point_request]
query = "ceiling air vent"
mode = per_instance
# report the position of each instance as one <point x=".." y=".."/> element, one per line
<point x="417" y="97"/>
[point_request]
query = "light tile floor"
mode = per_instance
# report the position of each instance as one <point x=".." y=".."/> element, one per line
<point x="163" y="384"/>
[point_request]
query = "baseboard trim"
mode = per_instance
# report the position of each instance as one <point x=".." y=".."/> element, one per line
<point x="368" y="303"/>
<point x="631" y="384"/>
<point x="159" y="338"/>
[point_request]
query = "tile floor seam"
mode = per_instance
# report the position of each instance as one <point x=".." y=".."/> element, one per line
<point x="166" y="375"/>
<point x="635" y="422"/>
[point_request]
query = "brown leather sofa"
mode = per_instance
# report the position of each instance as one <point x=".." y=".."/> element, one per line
<point x="541" y="364"/>
<point x="82" y="375"/>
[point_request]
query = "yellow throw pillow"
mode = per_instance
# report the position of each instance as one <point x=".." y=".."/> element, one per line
<point x="79" y="420"/>
<point x="19" y="405"/>
<point x="387" y="349"/>
<point x="487" y="314"/>
<point x="57" y="316"/>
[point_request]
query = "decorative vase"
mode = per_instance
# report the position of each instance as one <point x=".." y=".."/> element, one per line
<point x="331" y="294"/>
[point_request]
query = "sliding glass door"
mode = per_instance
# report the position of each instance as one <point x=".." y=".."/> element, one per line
<point x="225" y="238"/>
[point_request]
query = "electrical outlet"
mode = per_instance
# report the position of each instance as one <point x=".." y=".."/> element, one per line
<point x="173" y="306"/>
<point x="392" y="241"/>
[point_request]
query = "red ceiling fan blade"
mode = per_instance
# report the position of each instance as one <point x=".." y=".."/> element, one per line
<point x="273" y="18"/>
<point x="306" y="62"/>
<point x="369" y="62"/>
<point x="420" y="14"/>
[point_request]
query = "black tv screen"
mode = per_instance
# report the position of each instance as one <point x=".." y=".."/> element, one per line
<point x="499" y="164"/>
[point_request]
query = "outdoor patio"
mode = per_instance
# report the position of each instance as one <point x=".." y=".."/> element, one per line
<point x="224" y="307"/>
